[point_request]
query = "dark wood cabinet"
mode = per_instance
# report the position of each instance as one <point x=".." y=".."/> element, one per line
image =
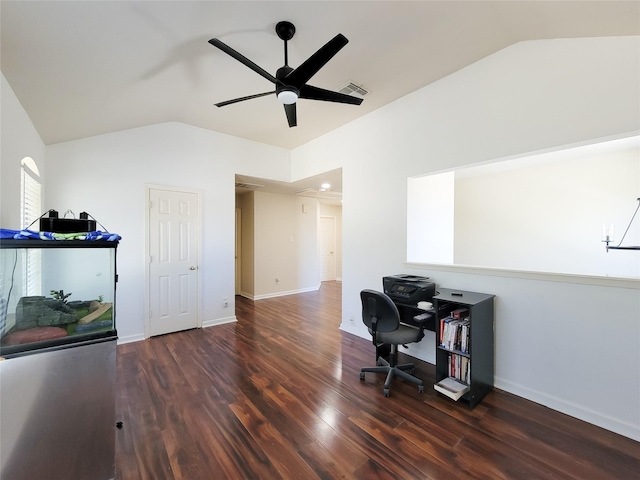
<point x="464" y="326"/>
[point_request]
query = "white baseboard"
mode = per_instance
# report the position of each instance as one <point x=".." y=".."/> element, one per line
<point x="209" y="323"/>
<point x="346" y="327"/>
<point x="596" y="418"/>
<point x="131" y="338"/>
<point x="219" y="321"/>
<point x="282" y="294"/>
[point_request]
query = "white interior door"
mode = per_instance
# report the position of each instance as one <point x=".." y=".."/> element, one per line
<point x="173" y="260"/>
<point x="327" y="248"/>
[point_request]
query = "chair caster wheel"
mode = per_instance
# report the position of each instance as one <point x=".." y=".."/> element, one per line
<point x="386" y="392"/>
<point x="420" y="389"/>
<point x="361" y="375"/>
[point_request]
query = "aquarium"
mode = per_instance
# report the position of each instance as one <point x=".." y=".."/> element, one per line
<point x="58" y="349"/>
<point x="55" y="292"/>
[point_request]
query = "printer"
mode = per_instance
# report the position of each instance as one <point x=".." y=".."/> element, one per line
<point x="408" y="289"/>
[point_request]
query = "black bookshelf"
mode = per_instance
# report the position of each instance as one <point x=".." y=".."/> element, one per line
<point x="471" y="347"/>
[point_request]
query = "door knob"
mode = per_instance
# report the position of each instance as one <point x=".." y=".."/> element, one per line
<point x="192" y="267"/>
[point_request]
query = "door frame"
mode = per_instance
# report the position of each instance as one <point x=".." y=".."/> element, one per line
<point x="238" y="252"/>
<point x="147" y="285"/>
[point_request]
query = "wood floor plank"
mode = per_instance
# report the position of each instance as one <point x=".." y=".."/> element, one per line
<point x="372" y="470"/>
<point x="326" y="464"/>
<point x="234" y="448"/>
<point x="319" y="426"/>
<point x="505" y="461"/>
<point x="412" y="454"/>
<point x="285" y="458"/>
<point x="277" y="395"/>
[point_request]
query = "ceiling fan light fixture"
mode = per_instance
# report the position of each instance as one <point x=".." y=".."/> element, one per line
<point x="287" y="97"/>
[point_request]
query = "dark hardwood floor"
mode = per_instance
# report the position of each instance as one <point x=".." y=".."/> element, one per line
<point x="277" y="395"/>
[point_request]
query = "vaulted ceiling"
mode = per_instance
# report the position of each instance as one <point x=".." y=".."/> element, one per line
<point x="83" y="68"/>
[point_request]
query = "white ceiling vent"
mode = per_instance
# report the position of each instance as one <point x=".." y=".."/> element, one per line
<point x="248" y="186"/>
<point x="354" y="90"/>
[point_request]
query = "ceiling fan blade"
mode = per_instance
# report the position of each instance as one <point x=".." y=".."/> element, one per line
<point x="315" y="62"/>
<point x="292" y="118"/>
<point x="242" y="59"/>
<point x="314" y="93"/>
<point x="242" y="99"/>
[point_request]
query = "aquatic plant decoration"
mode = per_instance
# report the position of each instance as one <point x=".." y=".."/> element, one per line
<point x="60" y="295"/>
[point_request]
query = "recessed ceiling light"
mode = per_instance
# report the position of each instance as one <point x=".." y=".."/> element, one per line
<point x="326" y="185"/>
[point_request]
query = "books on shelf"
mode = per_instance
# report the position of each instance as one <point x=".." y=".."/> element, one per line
<point x="452" y="388"/>
<point x="459" y="367"/>
<point x="454" y="334"/>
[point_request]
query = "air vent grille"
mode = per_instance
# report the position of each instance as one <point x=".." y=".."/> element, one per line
<point x="352" y="89"/>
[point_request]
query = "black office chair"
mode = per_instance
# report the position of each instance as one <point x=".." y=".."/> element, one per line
<point x="380" y="314"/>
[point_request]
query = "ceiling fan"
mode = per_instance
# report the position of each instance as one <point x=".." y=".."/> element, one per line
<point x="291" y="83"/>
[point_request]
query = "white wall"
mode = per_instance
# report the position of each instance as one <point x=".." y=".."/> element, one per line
<point x="19" y="139"/>
<point x="106" y="176"/>
<point x="530" y="97"/>
<point x="286" y="244"/>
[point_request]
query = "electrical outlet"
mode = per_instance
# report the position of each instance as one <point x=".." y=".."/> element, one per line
<point x="225" y="302"/>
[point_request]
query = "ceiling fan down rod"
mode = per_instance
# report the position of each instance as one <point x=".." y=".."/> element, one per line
<point x="285" y="31"/>
<point x="286" y="54"/>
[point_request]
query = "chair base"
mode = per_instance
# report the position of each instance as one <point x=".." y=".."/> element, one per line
<point x="393" y="370"/>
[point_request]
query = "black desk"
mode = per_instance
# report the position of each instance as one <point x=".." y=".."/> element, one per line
<point x="407" y="316"/>
<point x="408" y="312"/>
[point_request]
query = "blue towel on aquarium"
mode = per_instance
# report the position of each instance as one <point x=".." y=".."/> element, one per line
<point x="30" y="234"/>
<point x="25" y="234"/>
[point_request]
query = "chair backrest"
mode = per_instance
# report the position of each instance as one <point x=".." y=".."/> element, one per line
<point x="378" y="308"/>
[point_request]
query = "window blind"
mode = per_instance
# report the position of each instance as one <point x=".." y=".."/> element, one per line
<point x="30" y="206"/>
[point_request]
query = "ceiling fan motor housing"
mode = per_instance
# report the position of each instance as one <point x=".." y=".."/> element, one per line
<point x="283" y="87"/>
